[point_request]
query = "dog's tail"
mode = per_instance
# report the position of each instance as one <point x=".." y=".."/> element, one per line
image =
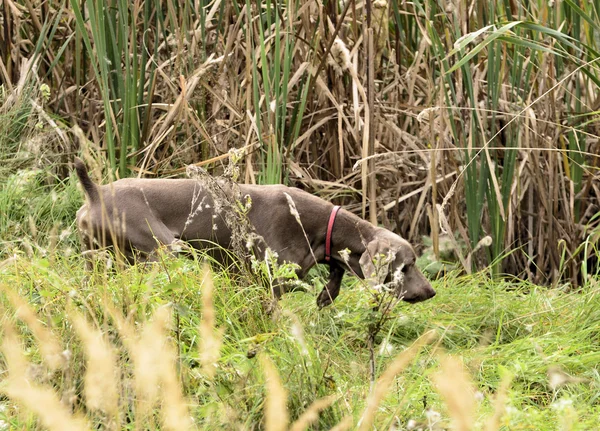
<point x="91" y="189"/>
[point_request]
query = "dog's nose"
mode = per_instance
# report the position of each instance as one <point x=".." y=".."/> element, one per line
<point x="426" y="293"/>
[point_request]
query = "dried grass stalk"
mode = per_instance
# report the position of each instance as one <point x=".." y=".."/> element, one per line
<point x="154" y="358"/>
<point x="455" y="385"/>
<point x="40" y="400"/>
<point x="175" y="412"/>
<point x="147" y="354"/>
<point x="211" y="336"/>
<point x="493" y="422"/>
<point x="276" y="414"/>
<point x="311" y="414"/>
<point x="345" y="424"/>
<point x="50" y="347"/>
<point x="101" y="375"/>
<point x="387" y="378"/>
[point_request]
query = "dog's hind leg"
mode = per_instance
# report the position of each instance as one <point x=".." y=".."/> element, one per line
<point x="332" y="288"/>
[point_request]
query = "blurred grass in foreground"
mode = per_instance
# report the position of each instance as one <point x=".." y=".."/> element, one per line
<point x="162" y="365"/>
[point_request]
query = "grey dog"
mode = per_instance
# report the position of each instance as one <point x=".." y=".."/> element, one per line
<point x="140" y="215"/>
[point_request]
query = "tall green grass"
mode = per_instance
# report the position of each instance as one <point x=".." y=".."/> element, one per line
<point x="114" y="52"/>
<point x="543" y="341"/>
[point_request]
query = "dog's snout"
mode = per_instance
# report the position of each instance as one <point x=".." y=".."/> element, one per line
<point x="421" y="293"/>
<point x="426" y="292"/>
<point x="430" y="293"/>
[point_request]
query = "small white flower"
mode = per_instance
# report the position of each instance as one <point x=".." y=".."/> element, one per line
<point x="403" y="319"/>
<point x="411" y="424"/>
<point x="562" y="404"/>
<point x="345" y="254"/>
<point x="386" y="348"/>
<point x="298" y="335"/>
<point x="398" y="277"/>
<point x="432" y="416"/>
<point x="64" y="234"/>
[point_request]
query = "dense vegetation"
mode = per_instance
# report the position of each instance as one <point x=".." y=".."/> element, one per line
<point x="473" y="123"/>
<point x="462" y="119"/>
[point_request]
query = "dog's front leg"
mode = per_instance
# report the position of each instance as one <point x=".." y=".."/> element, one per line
<point x="332" y="288"/>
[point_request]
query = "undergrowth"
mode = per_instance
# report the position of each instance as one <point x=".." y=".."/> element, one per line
<point x="514" y="355"/>
<point x="544" y="341"/>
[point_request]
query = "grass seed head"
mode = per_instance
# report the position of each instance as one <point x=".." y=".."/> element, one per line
<point x="384" y="383"/>
<point x="311" y="414"/>
<point x="43" y="401"/>
<point x="211" y="336"/>
<point x="276" y="413"/>
<point x="50" y="347"/>
<point x="456" y="387"/>
<point x="101" y="381"/>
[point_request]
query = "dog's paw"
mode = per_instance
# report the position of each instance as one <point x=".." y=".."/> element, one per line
<point x="324" y="299"/>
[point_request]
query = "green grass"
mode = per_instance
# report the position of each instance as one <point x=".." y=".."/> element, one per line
<point x="509" y="329"/>
<point x="35" y="214"/>
<point x="497" y="329"/>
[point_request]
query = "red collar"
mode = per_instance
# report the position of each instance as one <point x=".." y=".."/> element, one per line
<point x="334" y="212"/>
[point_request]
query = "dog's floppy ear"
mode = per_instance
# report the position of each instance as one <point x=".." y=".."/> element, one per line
<point x="375" y="250"/>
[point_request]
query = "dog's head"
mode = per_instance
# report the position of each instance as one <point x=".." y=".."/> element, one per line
<point x="389" y="260"/>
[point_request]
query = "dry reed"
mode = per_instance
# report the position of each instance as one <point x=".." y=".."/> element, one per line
<point x="490" y="125"/>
